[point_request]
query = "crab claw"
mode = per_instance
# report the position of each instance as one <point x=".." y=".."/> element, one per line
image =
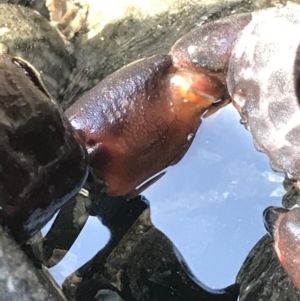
<point x="284" y="227"/>
<point x="140" y="120"/>
<point x="196" y="86"/>
<point x="209" y="46"/>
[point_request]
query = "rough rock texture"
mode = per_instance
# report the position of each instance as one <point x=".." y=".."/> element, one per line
<point x="38" y="5"/>
<point x="19" y="279"/>
<point x="29" y="35"/>
<point x="139" y="263"/>
<point x="262" y="277"/>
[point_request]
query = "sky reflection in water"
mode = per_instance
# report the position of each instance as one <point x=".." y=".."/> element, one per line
<point x="210" y="204"/>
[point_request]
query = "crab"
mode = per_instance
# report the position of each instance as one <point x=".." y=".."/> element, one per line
<point x="143" y="118"/>
<point x="237" y="58"/>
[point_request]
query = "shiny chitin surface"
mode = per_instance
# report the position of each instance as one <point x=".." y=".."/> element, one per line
<point x="42" y="163"/>
<point x="284" y="226"/>
<point x="265" y="89"/>
<point x="258" y="53"/>
<point x="140" y="120"/>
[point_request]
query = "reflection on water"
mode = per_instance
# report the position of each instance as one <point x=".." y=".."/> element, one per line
<point x="210" y="204"/>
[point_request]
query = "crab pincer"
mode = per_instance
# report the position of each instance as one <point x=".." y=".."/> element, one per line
<point x="257" y="55"/>
<point x="284" y="226"/>
<point x="142" y="119"/>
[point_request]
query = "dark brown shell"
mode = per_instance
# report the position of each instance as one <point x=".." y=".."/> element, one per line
<point x="134" y="125"/>
<point x="42" y="163"/>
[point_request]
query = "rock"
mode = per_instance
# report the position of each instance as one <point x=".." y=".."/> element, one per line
<point x="261" y="276"/>
<point x="139" y="262"/>
<point x="19" y="279"/>
<point x="68" y="16"/>
<point x="29" y="35"/>
<point x="38" y="5"/>
<point x="42" y="162"/>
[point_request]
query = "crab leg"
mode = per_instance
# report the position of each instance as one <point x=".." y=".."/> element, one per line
<point x="142" y="119"/>
<point x="264" y="88"/>
<point x="208" y="48"/>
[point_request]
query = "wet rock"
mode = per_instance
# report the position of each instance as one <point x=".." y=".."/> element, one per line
<point x="139" y="262"/>
<point x="157" y="272"/>
<point x="42" y="162"/>
<point x="29" y="35"/>
<point x="261" y="276"/>
<point x="19" y="279"/>
<point x="67" y="226"/>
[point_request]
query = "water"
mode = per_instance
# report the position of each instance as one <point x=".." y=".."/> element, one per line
<point x="210" y="204"/>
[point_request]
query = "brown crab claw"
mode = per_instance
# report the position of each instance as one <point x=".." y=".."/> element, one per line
<point x="140" y="120"/>
<point x="210" y="46"/>
<point x="197" y="87"/>
<point x="284" y="226"/>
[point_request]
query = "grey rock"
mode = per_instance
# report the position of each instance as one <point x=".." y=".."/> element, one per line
<point x="29" y="35"/>
<point x="38" y="5"/>
<point x="19" y="279"/>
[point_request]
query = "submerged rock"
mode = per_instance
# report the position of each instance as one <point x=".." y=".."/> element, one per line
<point x="139" y="263"/>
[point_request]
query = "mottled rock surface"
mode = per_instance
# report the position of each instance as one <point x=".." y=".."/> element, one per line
<point x="19" y="279"/>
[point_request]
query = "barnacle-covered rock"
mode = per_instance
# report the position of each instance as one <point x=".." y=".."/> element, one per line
<point x="42" y="163"/>
<point x="29" y="35"/>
